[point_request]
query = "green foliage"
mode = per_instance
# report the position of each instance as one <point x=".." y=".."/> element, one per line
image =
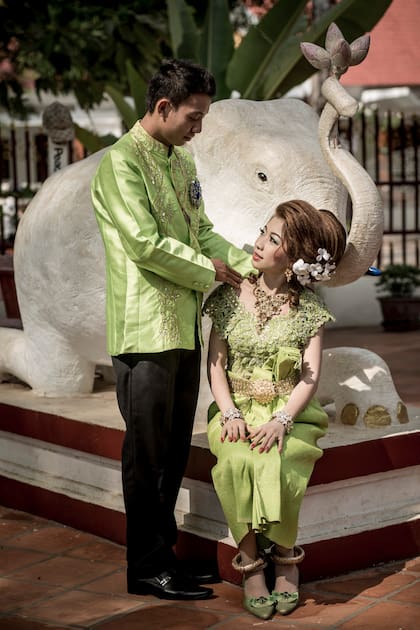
<point x="85" y="45"/>
<point x="260" y="48"/>
<point x="91" y="140"/>
<point x="399" y="280"/>
<point x="216" y="44"/>
<point x="93" y="47"/>
<point x="268" y="62"/>
<point x="183" y="29"/>
<point x="80" y="46"/>
<point x="138" y="88"/>
<point x="127" y="113"/>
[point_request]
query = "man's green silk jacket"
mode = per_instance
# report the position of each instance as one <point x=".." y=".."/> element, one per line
<point x="158" y="244"/>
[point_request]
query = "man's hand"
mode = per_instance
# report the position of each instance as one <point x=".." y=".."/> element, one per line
<point x="224" y="273"/>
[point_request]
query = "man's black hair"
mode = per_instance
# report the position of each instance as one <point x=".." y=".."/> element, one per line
<point x="176" y="80"/>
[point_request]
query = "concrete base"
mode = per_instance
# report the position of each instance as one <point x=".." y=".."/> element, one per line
<point x="59" y="458"/>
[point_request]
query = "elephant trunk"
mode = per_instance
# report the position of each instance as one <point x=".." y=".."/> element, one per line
<point x="365" y="236"/>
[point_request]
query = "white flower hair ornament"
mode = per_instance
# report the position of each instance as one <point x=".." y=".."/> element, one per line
<point x="319" y="271"/>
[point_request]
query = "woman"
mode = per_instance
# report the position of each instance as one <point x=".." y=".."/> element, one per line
<point x="264" y="365"/>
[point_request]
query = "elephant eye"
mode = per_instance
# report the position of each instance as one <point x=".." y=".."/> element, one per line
<point x="262" y="176"/>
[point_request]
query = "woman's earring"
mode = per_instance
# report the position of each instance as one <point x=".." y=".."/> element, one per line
<point x="288" y="274"/>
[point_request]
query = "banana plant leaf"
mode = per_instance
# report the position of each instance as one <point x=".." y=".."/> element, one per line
<point x="279" y="64"/>
<point x="127" y="113"/>
<point x="91" y="141"/>
<point x="182" y="29"/>
<point x="216" y="44"/>
<point x="260" y="45"/>
<point x="138" y="89"/>
<point x="289" y="68"/>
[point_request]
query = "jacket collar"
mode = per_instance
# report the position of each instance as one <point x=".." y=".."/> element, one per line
<point x="142" y="136"/>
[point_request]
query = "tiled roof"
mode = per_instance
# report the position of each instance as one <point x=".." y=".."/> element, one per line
<point x="394" y="55"/>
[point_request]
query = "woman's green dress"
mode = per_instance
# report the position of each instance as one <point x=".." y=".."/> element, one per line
<point x="264" y="491"/>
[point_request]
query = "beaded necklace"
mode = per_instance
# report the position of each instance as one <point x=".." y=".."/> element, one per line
<point x="267" y="306"/>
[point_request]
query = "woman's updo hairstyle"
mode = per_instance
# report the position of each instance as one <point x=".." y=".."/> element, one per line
<point x="306" y="230"/>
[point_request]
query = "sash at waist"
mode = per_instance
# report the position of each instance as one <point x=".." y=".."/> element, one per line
<point x="262" y="391"/>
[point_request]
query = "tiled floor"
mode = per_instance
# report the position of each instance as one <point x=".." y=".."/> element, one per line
<point x="54" y="577"/>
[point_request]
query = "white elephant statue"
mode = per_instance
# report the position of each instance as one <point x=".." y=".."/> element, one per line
<point x="360" y="385"/>
<point x="250" y="157"/>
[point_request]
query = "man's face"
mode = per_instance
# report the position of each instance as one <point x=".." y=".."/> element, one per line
<point x="181" y="124"/>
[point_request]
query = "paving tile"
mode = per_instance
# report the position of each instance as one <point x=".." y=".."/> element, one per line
<point x="13" y="523"/>
<point x="114" y="584"/>
<point x="247" y="620"/>
<point x="325" y="609"/>
<point x="11" y="559"/>
<point x="370" y="583"/>
<point x="385" y="616"/>
<point x="17" y="623"/>
<point x="165" y="617"/>
<point x="15" y="594"/>
<point x="288" y="623"/>
<point x="413" y="565"/>
<point x="102" y="551"/>
<point x="64" y="571"/>
<point x="278" y="621"/>
<point x="237" y="616"/>
<point x="7" y="513"/>
<point x="409" y="594"/>
<point x="226" y="597"/>
<point x="77" y="608"/>
<point x="53" y="539"/>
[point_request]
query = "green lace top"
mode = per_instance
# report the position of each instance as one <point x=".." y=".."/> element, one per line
<point x="247" y="348"/>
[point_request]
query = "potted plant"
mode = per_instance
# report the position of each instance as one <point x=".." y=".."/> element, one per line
<point x="400" y="307"/>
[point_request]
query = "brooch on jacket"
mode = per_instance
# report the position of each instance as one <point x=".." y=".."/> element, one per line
<point x="195" y="193"/>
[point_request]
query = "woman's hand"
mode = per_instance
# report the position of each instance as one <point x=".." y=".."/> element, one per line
<point x="266" y="435"/>
<point x="234" y="430"/>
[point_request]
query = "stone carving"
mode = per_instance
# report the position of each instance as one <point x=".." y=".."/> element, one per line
<point x="360" y="385"/>
<point x="250" y="156"/>
<point x="58" y="123"/>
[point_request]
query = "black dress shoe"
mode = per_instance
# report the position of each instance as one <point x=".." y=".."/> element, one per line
<point x="201" y="572"/>
<point x="167" y="585"/>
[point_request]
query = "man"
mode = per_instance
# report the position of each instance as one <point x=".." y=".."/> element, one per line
<point x="161" y="256"/>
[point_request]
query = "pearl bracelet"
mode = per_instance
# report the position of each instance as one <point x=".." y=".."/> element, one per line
<point x="231" y="414"/>
<point x="283" y="418"/>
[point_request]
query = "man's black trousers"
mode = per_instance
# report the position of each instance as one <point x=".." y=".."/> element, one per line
<point x="157" y="396"/>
